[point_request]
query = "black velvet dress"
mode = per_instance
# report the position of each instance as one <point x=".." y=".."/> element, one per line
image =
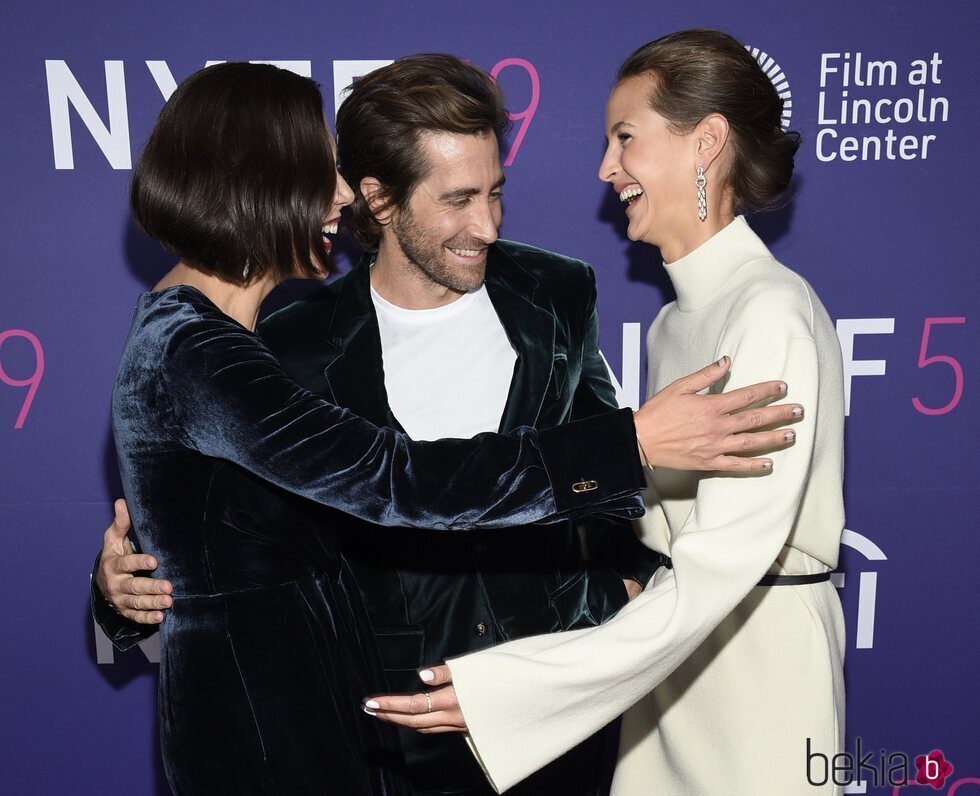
<point x="266" y="653"/>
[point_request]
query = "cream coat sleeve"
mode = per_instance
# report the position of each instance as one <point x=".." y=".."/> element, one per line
<point x="528" y="701"/>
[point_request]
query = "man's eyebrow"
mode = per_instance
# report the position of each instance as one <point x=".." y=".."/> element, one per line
<point x="464" y="193"/>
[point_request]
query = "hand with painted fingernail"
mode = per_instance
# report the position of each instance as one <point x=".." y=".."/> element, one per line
<point x="682" y="429"/>
<point x="434" y="709"/>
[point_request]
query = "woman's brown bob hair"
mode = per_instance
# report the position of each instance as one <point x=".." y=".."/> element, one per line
<point x="699" y="72"/>
<point x="239" y="171"/>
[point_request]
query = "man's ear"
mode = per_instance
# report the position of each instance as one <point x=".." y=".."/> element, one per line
<point x="712" y="136"/>
<point x="374" y="195"/>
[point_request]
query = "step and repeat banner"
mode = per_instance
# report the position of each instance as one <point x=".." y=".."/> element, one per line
<point x="883" y="223"/>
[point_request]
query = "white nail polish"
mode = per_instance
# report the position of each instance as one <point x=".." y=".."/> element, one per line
<point x="427" y="675"/>
<point x="370" y="703"/>
<point x="369" y="712"/>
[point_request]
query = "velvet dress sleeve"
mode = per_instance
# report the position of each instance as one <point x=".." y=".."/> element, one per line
<point x="528" y="701"/>
<point x="229" y="399"/>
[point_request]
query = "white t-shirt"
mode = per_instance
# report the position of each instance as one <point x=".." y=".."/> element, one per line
<point x="447" y="370"/>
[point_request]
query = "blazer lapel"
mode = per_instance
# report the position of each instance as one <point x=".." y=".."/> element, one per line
<point x="354" y="366"/>
<point x="531" y="331"/>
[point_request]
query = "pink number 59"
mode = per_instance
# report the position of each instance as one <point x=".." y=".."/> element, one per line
<point x="33" y="380"/>
<point x="940" y="359"/>
<point x="527" y="114"/>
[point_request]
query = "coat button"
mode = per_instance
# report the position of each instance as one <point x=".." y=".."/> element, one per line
<point x="481" y="628"/>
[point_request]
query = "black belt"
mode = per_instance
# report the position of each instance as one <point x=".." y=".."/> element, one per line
<point x="793" y="580"/>
<point x="778" y="580"/>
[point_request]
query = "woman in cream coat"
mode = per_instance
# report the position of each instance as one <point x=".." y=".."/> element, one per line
<point x="729" y="666"/>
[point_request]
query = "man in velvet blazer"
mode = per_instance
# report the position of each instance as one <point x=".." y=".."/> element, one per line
<point x="428" y="204"/>
<point x="430" y="600"/>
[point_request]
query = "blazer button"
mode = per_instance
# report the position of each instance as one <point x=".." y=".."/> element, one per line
<point x="481" y="628"/>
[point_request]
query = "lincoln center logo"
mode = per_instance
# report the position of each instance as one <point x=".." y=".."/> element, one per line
<point x="778" y="78"/>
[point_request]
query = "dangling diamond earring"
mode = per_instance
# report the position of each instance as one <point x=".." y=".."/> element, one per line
<point x="700" y="182"/>
<point x="245" y="270"/>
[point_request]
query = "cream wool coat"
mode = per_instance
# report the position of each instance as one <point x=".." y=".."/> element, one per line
<point x="722" y="681"/>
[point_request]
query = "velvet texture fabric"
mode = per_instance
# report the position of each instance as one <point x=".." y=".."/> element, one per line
<point x="428" y="602"/>
<point x="265" y="656"/>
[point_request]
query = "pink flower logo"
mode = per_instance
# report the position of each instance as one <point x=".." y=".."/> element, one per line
<point x="932" y="769"/>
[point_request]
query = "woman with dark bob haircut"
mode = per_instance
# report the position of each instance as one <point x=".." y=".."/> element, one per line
<point x="266" y="654"/>
<point x="730" y="662"/>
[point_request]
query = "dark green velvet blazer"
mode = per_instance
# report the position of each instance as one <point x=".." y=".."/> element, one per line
<point x="431" y="601"/>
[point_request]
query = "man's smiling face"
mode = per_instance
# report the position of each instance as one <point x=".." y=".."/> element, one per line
<point x="453" y="213"/>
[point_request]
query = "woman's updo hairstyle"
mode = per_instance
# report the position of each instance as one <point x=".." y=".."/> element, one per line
<point x="699" y="72"/>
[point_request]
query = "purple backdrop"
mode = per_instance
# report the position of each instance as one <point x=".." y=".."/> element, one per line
<point x="883" y="225"/>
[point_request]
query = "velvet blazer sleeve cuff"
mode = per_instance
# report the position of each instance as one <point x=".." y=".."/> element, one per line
<point x="594" y="466"/>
